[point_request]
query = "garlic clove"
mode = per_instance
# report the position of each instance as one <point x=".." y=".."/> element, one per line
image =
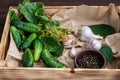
<point x="68" y="42"/>
<point x="73" y="52"/>
<point x="76" y="32"/>
<point x="94" y="44"/>
<point x="97" y="46"/>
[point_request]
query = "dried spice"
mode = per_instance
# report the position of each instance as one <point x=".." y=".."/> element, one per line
<point x="90" y="61"/>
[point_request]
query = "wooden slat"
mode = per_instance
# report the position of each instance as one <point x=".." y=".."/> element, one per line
<point x="2" y="63"/>
<point x="5" y="39"/>
<point x="58" y="74"/>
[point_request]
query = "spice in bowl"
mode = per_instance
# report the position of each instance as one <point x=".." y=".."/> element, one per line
<point x="90" y="59"/>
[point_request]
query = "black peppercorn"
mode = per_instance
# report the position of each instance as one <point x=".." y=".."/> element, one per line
<point x="89" y="59"/>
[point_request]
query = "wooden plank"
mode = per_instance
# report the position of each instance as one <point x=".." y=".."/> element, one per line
<point x="2" y="63"/>
<point x="5" y="39"/>
<point x="58" y="74"/>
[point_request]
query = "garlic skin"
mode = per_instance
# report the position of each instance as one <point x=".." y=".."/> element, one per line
<point x="94" y="44"/>
<point x="87" y="34"/>
<point x="71" y="39"/>
<point x="77" y="32"/>
<point x="73" y="52"/>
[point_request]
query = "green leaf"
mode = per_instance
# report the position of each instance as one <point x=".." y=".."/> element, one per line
<point x="55" y="23"/>
<point x="107" y="52"/>
<point x="52" y="25"/>
<point x="25" y="1"/>
<point x="30" y="10"/>
<point x="28" y="13"/>
<point x="40" y="11"/>
<point x="102" y="29"/>
<point x="50" y="42"/>
<point x="43" y="19"/>
<point x="13" y="15"/>
<point x="58" y="52"/>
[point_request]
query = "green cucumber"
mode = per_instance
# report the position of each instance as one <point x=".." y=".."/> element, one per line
<point x="26" y="26"/>
<point x="37" y="49"/>
<point x="23" y="37"/>
<point x="16" y="36"/>
<point x="27" y="59"/>
<point x="51" y="61"/>
<point x="27" y="43"/>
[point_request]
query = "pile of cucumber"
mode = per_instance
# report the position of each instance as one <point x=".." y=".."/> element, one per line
<point x="37" y="35"/>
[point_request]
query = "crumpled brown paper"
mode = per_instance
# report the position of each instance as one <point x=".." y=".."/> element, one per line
<point x="86" y="15"/>
<point x="74" y="18"/>
<point x="114" y="42"/>
<point x="14" y="56"/>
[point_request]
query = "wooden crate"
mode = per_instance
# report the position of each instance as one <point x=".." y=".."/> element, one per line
<point x="21" y="73"/>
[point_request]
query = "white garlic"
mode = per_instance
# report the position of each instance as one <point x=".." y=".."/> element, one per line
<point x="73" y="52"/>
<point x="94" y="44"/>
<point x="87" y="34"/>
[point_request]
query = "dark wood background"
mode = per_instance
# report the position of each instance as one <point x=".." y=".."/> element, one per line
<point x="4" y="5"/>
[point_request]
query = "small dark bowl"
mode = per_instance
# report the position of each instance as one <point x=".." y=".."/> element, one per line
<point x="89" y="58"/>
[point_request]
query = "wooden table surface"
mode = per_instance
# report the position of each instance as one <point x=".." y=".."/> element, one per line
<point x="4" y="5"/>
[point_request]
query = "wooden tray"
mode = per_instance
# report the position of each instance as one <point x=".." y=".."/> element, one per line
<point x="49" y="73"/>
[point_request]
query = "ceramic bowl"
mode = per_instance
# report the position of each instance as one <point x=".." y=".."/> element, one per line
<point x="89" y="58"/>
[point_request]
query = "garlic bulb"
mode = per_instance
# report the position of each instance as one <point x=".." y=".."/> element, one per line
<point x="94" y="44"/>
<point x="73" y="52"/>
<point x="87" y="34"/>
